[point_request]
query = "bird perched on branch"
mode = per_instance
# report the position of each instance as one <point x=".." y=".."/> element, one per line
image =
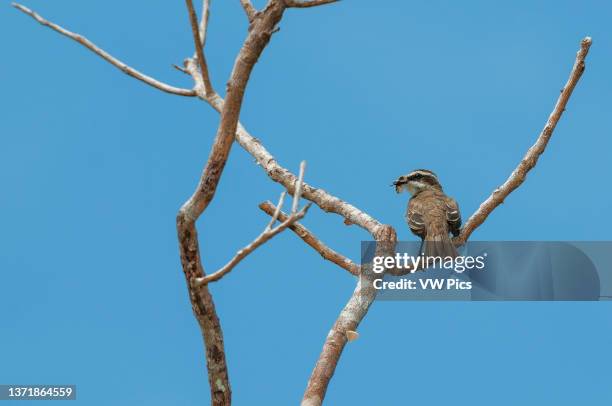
<point x="431" y="214"/>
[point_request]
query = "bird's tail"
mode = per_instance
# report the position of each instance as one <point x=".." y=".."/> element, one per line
<point x="439" y="246"/>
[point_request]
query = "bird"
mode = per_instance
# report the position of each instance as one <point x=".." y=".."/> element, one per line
<point x="431" y="214"/>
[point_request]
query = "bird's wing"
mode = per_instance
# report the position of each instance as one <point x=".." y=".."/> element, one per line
<point x="453" y="216"/>
<point x="414" y="217"/>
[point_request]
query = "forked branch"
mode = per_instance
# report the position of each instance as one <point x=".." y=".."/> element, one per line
<point x="267" y="234"/>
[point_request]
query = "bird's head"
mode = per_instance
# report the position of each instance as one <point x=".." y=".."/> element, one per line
<point x="417" y="181"/>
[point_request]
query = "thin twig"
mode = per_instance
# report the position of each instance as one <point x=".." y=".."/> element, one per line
<point x="180" y="69"/>
<point x="106" y="56"/>
<point x="197" y="41"/>
<point x="249" y="9"/>
<point x="281" y="200"/>
<point x="308" y="3"/>
<point x="298" y="188"/>
<point x="204" y="22"/>
<point x="309" y="238"/>
<point x="531" y="157"/>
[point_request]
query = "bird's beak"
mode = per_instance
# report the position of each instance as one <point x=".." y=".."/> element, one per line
<point x="398" y="186"/>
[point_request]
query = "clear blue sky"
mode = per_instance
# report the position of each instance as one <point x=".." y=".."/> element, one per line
<point x="94" y="165"/>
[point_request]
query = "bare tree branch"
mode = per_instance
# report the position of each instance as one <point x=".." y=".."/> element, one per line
<point x="277" y="212"/>
<point x="298" y="188"/>
<point x="106" y="56"/>
<point x="204" y="22"/>
<point x="264" y="237"/>
<point x="353" y="313"/>
<point x="249" y="9"/>
<point x="198" y="42"/>
<point x="306" y="3"/>
<point x="531" y="158"/>
<point x="309" y="238"/>
<point x="206" y="315"/>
